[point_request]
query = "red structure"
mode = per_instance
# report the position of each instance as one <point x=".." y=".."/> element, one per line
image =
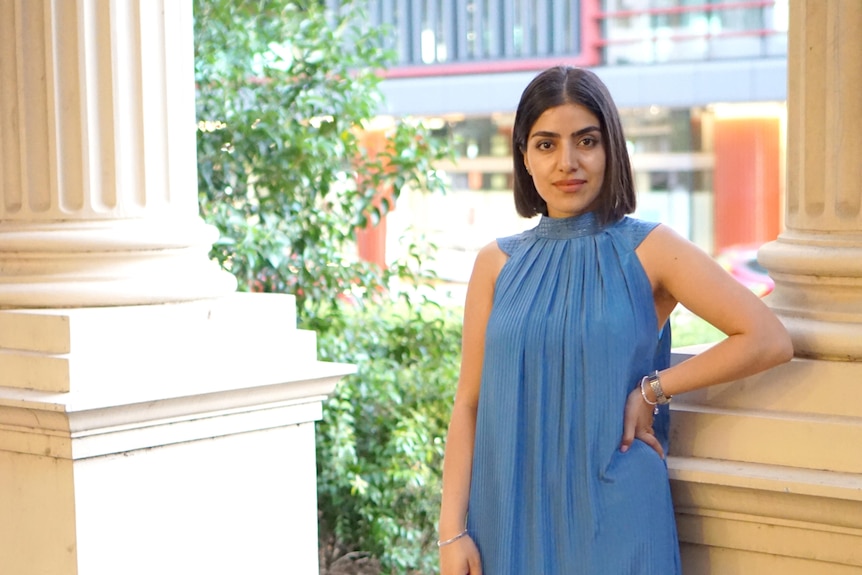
<point x="371" y="240"/>
<point x="746" y="180"/>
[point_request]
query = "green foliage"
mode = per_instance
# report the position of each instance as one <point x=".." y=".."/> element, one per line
<point x="380" y="443"/>
<point x="285" y="91"/>
<point x="688" y="329"/>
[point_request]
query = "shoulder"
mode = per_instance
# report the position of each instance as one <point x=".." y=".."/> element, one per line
<point x="634" y="230"/>
<point x="494" y="255"/>
<point x="509" y="244"/>
<point x="669" y="257"/>
<point x="480" y="290"/>
<point x="489" y="261"/>
<point x="664" y="240"/>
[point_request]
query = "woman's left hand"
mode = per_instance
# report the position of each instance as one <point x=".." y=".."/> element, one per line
<point x="637" y="423"/>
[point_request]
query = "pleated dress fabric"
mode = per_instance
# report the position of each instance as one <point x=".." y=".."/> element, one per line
<point x="572" y="331"/>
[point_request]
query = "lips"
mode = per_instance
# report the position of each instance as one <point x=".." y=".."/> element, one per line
<point x="569" y="185"/>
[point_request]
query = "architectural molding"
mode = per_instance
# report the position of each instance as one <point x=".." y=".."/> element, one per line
<point x="98" y="184"/>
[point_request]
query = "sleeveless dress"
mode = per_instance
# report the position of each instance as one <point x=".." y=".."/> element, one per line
<point x="572" y="331"/>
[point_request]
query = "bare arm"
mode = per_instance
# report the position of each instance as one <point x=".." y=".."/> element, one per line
<point x="756" y="338"/>
<point x="462" y="556"/>
<point x="681" y="273"/>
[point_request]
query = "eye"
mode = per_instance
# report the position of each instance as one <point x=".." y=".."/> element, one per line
<point x="544" y="145"/>
<point x="588" y="142"/>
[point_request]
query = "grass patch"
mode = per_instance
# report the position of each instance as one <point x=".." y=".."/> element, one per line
<point x="688" y="329"/>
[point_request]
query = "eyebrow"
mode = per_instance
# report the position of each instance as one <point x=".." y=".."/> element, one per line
<point x="581" y="132"/>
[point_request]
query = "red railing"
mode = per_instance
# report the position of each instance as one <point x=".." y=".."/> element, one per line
<point x="687" y="9"/>
<point x="662" y="40"/>
<point x="685" y="37"/>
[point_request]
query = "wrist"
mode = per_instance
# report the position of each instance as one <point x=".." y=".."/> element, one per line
<point x="458" y="536"/>
<point x="653" y="384"/>
<point x="647" y="392"/>
<point x="449" y="530"/>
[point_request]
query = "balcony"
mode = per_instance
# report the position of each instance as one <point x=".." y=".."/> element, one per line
<point x="445" y="37"/>
<point x="442" y="37"/>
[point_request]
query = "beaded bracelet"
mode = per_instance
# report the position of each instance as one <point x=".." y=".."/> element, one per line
<point x="452" y="540"/>
<point x="646" y="399"/>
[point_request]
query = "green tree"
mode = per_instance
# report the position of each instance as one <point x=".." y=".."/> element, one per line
<point x="284" y="92"/>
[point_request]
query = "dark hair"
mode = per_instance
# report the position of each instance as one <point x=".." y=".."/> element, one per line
<point x="566" y="85"/>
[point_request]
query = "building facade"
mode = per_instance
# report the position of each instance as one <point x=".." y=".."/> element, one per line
<point x="700" y="84"/>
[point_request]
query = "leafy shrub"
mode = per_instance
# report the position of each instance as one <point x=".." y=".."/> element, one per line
<point x="380" y="443"/>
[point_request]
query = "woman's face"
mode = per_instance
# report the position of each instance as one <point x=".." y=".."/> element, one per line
<point x="566" y="157"/>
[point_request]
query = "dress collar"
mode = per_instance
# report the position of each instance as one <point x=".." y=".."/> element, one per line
<point x="567" y="228"/>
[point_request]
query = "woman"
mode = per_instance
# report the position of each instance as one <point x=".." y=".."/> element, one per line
<point x="557" y="466"/>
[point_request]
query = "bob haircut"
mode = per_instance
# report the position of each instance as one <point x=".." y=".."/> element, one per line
<point x="567" y="85"/>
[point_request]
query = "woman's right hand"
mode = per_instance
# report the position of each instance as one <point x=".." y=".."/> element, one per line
<point x="460" y="558"/>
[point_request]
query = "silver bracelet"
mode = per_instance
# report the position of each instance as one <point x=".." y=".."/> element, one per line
<point x="655" y="383"/>
<point x="646" y="399"/>
<point x="452" y="540"/>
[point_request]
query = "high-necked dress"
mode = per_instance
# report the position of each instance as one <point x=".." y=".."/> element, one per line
<point x="572" y="331"/>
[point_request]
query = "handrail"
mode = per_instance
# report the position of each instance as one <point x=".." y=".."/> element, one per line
<point x="684" y="37"/>
<point x="687" y="9"/>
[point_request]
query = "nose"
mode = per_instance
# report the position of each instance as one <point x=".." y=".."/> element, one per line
<point x="568" y="158"/>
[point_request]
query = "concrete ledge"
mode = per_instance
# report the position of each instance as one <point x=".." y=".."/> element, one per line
<point x="808" y="515"/>
<point x="768" y="478"/>
<point x="705" y="560"/>
<point x="803" y="386"/>
<point x="50" y="429"/>
<point x="764" y="436"/>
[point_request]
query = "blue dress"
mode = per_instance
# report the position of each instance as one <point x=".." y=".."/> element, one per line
<point x="572" y="331"/>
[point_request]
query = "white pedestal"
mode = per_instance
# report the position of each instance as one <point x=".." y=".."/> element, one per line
<point x="160" y="439"/>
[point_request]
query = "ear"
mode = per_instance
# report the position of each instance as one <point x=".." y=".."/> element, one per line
<point x="527" y="165"/>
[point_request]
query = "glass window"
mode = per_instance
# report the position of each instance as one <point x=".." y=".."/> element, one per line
<point x="649" y="31"/>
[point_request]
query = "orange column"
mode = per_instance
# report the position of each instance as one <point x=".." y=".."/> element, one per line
<point x="746" y="180"/>
<point x="371" y="240"/>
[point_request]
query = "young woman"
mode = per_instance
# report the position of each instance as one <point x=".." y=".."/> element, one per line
<point x="555" y="453"/>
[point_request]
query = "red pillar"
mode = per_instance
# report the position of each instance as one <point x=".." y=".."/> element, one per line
<point x="371" y="240"/>
<point x="746" y="180"/>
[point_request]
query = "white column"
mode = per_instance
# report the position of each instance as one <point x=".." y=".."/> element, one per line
<point x="817" y="262"/>
<point x="98" y="180"/>
<point x="151" y="419"/>
<point x="766" y="472"/>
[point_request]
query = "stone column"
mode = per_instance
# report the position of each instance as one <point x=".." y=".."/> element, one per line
<point x="151" y="419"/>
<point x="766" y="472"/>
<point x="817" y="261"/>
<point x="98" y="180"/>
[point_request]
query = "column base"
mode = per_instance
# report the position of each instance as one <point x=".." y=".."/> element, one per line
<point x="108" y="263"/>
<point x="818" y="292"/>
